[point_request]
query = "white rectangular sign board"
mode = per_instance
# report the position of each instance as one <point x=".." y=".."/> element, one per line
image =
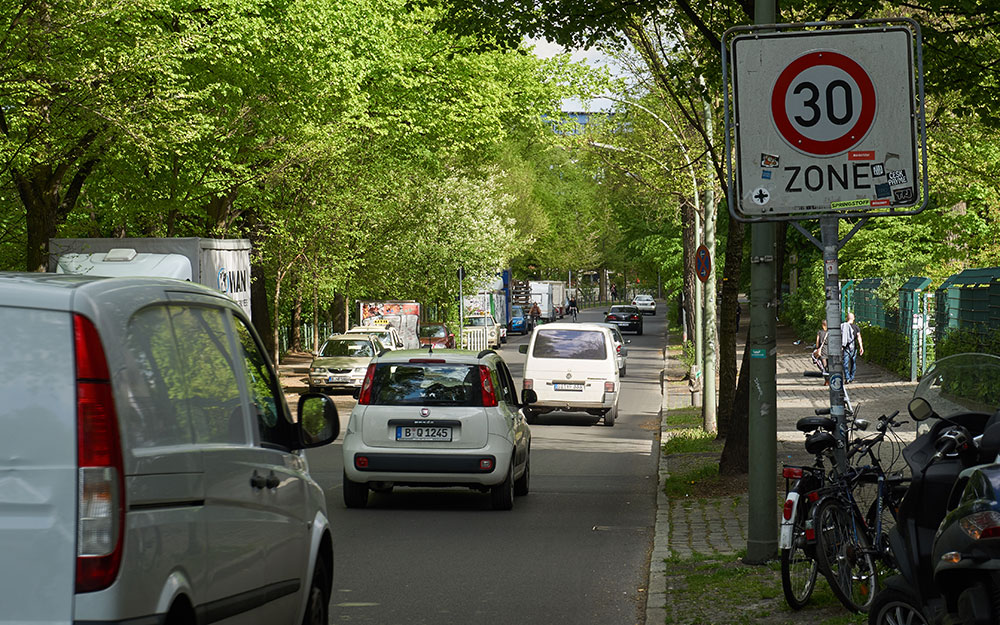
<point x="825" y="121"/>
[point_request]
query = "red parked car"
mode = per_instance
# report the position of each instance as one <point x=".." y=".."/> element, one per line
<point x="627" y="318"/>
<point x="436" y="335"/>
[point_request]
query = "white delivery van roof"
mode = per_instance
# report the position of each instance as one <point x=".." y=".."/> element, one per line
<point x="126" y="262"/>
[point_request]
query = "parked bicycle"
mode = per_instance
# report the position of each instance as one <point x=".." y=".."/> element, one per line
<point x="851" y="545"/>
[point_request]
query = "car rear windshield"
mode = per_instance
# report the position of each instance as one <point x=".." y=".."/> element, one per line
<point x="426" y="384"/>
<point x="624" y="309"/>
<point x="578" y="344"/>
<point x="476" y="321"/>
<point x="432" y="332"/>
<point x="352" y="349"/>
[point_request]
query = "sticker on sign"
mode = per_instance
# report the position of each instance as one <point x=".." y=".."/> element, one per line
<point x="829" y="102"/>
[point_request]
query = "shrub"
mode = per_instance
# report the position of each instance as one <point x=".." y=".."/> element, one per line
<point x="887" y="349"/>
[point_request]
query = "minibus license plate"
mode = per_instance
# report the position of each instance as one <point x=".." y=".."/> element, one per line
<point x="563" y="386"/>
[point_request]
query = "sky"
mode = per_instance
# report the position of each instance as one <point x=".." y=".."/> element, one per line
<point x="546" y="49"/>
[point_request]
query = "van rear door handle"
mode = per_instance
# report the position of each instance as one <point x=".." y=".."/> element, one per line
<point x="272" y="480"/>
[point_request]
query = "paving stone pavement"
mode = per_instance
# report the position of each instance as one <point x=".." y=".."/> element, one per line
<point x="717" y="525"/>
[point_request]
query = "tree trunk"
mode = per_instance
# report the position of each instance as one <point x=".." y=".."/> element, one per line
<point x="297" y="320"/>
<point x="259" y="305"/>
<point x="340" y="318"/>
<point x="276" y="328"/>
<point x="688" y="244"/>
<point x="728" y="301"/>
<point x="46" y="205"/>
<point x="734" y="460"/>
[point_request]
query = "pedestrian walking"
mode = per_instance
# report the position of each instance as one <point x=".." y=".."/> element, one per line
<point x="821" y="352"/>
<point x="850" y="340"/>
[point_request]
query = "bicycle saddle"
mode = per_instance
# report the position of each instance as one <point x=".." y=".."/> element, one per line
<point x="808" y="424"/>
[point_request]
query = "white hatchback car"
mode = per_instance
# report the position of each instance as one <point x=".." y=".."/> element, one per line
<point x="446" y="418"/>
<point x="572" y="367"/>
<point x="645" y="303"/>
<point x="150" y="470"/>
<point x="383" y="333"/>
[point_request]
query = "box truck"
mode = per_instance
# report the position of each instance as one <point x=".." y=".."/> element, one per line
<point x="402" y="315"/>
<point x="221" y="264"/>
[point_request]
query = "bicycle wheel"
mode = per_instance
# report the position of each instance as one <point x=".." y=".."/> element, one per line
<point x="798" y="567"/>
<point x="843" y="551"/>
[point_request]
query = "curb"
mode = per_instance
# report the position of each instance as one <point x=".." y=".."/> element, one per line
<point x="656" y="588"/>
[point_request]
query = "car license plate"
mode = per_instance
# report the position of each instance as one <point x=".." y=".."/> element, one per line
<point x="623" y="323"/>
<point x="563" y="386"/>
<point x="421" y="433"/>
<point x="338" y="379"/>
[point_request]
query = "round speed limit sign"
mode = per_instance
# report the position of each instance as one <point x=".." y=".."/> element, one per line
<point x="823" y="103"/>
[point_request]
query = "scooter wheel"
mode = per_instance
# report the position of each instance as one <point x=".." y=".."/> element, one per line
<point x="892" y="606"/>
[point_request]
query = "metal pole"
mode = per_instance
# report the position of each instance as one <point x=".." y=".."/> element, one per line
<point x="829" y="229"/>
<point x="461" y="308"/>
<point x="762" y="521"/>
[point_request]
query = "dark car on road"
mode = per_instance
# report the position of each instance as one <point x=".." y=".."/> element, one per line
<point x="627" y="318"/>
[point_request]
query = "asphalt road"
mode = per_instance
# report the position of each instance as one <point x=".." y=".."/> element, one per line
<point x="574" y="550"/>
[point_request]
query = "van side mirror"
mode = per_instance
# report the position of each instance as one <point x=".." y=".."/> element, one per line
<point x="319" y="423"/>
<point x="528" y="396"/>
<point x="522" y="349"/>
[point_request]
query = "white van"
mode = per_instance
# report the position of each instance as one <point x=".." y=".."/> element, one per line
<point x="572" y="367"/>
<point x="150" y="470"/>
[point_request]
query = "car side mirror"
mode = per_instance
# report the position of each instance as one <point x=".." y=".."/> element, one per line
<point x="319" y="423"/>
<point x="920" y="409"/>
<point x="522" y="349"/>
<point x="315" y="354"/>
<point x="528" y="396"/>
<point x="356" y="393"/>
<point x="604" y="313"/>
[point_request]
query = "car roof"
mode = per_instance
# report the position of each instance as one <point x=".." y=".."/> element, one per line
<point x="369" y="329"/>
<point x="346" y="337"/>
<point x="572" y="326"/>
<point x="452" y="356"/>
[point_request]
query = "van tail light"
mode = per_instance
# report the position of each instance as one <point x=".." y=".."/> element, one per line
<point x="489" y="393"/>
<point x="101" y="504"/>
<point x="365" y="396"/>
<point x="609" y="387"/>
<point x="528" y="384"/>
<point x="618" y="349"/>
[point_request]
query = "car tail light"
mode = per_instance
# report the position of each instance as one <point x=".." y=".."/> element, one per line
<point x="791" y="473"/>
<point x="101" y="504"/>
<point x="635" y="317"/>
<point x="365" y="396"/>
<point x="787" y="510"/>
<point x="361" y="462"/>
<point x="609" y="387"/>
<point x="528" y="384"/>
<point x="489" y="394"/>
<point x="618" y="349"/>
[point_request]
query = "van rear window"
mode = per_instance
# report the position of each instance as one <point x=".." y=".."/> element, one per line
<point x="577" y="344"/>
<point x="426" y="384"/>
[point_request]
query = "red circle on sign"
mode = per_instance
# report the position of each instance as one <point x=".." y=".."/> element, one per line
<point x="702" y="263"/>
<point x="847" y="140"/>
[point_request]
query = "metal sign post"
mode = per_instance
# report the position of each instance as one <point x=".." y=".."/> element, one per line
<point x="828" y="123"/>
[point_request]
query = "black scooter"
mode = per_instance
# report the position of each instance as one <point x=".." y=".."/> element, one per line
<point x="947" y="537"/>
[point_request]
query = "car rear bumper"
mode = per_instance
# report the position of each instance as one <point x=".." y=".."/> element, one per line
<point x="414" y="466"/>
<point x="320" y="381"/>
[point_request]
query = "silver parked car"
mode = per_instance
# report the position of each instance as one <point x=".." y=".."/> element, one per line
<point x="150" y="470"/>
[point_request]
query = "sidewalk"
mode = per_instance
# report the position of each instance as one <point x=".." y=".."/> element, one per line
<point x="716" y="526"/>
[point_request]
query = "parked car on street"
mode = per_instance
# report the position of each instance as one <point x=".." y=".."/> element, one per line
<point x="448" y="419"/>
<point x="437" y="335"/>
<point x="572" y="367"/>
<point x="627" y="318"/>
<point x="520" y="320"/>
<point x="342" y="361"/>
<point x="645" y="303"/>
<point x="384" y="333"/>
<point x="621" y="346"/>
<point x="151" y="469"/>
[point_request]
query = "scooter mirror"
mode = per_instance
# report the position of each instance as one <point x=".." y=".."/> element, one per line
<point x="920" y="409"/>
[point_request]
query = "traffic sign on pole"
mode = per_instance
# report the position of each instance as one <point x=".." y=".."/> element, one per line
<point x="702" y="263"/>
<point x="825" y="121"/>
